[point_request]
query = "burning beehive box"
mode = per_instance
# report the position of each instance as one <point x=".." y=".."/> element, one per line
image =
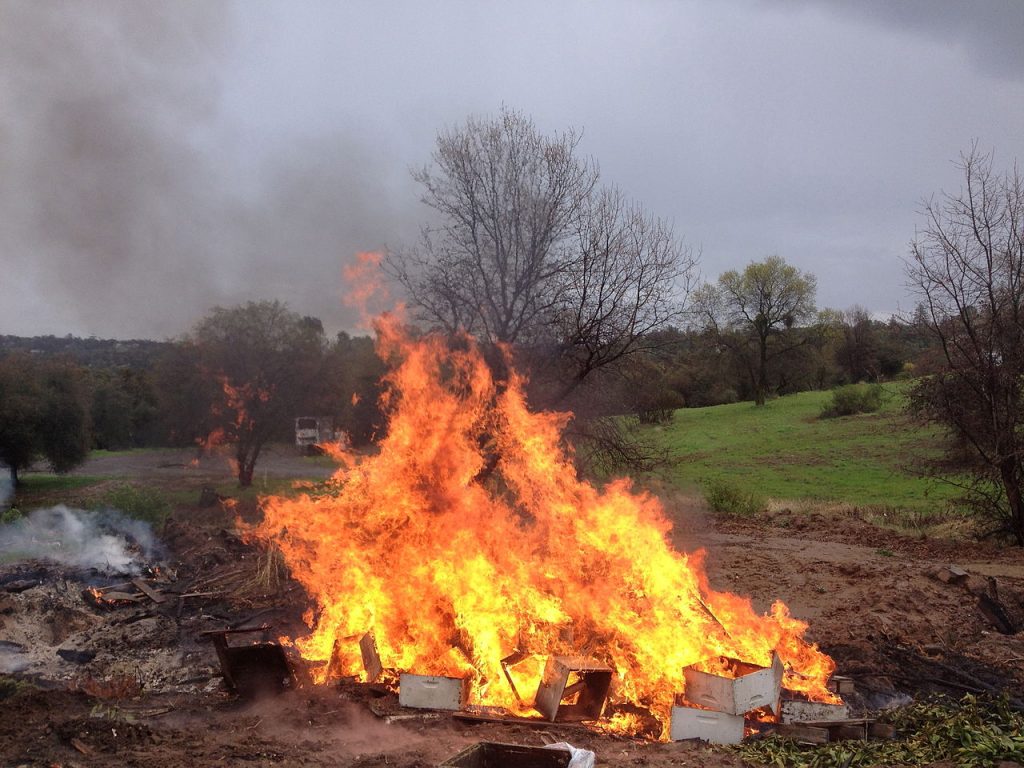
<point x="795" y="710"/>
<point x="714" y="704"/>
<point x="405" y="504"/>
<point x="715" y="727"/>
<point x="573" y="688"/>
<point x="255" y="668"/>
<point x="432" y="691"/>
<point x="751" y="687"/>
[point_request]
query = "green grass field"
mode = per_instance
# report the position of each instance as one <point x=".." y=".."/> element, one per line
<point x="783" y="450"/>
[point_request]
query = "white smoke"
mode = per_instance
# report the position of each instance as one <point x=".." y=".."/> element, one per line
<point x="106" y="541"/>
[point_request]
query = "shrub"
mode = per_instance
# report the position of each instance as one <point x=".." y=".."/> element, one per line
<point x="729" y="500"/>
<point x="10" y="515"/>
<point x="852" y="399"/>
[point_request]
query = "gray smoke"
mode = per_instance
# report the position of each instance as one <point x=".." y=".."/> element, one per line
<point x="106" y="541"/>
<point x="135" y="195"/>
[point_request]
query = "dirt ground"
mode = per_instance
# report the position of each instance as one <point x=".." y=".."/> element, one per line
<point x="151" y="695"/>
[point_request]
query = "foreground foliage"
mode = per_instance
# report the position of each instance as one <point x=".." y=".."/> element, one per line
<point x="973" y="731"/>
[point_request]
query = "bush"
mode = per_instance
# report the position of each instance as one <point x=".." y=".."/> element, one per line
<point x="852" y="399"/>
<point x="729" y="500"/>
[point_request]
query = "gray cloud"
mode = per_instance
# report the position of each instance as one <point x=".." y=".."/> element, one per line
<point x="990" y="32"/>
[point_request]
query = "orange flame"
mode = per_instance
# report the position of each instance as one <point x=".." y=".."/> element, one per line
<point x="470" y="536"/>
<point x="366" y="287"/>
<point x="234" y="405"/>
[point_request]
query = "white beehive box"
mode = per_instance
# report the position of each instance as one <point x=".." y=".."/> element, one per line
<point x="756" y="687"/>
<point x="713" y="727"/>
<point x="797" y="711"/>
<point x="432" y="692"/>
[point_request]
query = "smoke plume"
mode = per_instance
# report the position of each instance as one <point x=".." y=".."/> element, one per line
<point x="105" y="541"/>
<point x="136" y="193"/>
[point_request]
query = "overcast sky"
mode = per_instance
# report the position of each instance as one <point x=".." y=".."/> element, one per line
<point x="158" y="158"/>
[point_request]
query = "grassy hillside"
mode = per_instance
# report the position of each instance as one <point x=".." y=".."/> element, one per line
<point x="785" y="451"/>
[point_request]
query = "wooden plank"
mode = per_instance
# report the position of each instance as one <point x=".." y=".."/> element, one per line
<point x="834" y="723"/>
<point x="148" y="591"/>
<point x="238" y="631"/>
<point x="120" y="597"/>
<point x="469" y="717"/>
<point x="805" y="734"/>
<point x="849" y="732"/>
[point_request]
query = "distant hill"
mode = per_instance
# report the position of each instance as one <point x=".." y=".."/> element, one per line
<point x="91" y="352"/>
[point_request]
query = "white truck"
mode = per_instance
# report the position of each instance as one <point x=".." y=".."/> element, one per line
<point x="311" y="431"/>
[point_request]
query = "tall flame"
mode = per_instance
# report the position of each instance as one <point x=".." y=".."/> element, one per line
<point x="469" y="536"/>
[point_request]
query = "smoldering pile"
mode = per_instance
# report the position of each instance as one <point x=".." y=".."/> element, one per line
<point x="105" y="541"/>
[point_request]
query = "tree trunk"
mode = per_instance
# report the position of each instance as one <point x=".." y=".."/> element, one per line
<point x="1014" y="497"/>
<point x="761" y="390"/>
<point x="245" y="470"/>
<point x="15" y="480"/>
<point x="246" y="456"/>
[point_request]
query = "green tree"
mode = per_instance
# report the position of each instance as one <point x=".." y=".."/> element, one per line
<point x="967" y="266"/>
<point x="241" y="376"/>
<point x="123" y="408"/>
<point x="757" y="314"/>
<point x="352" y="387"/>
<point x="43" y="413"/>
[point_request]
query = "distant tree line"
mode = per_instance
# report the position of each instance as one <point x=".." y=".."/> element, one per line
<point x="89" y="352"/>
<point x="238" y="379"/>
<point x="244" y="373"/>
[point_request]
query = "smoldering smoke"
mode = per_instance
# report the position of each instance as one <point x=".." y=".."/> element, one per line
<point x="106" y="541"/>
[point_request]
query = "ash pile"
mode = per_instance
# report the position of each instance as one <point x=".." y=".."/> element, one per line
<point x="88" y="603"/>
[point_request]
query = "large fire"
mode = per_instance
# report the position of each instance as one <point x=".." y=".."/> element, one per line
<point x="469" y="537"/>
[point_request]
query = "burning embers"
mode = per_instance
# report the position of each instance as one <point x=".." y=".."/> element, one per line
<point x="468" y="540"/>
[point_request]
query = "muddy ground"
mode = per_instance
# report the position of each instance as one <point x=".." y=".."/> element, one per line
<point x="145" y="688"/>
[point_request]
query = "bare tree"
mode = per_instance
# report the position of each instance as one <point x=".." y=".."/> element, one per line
<point x="756" y="314"/>
<point x="529" y="251"/>
<point x="624" y="282"/>
<point x="967" y="266"/>
<point x="508" y="199"/>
